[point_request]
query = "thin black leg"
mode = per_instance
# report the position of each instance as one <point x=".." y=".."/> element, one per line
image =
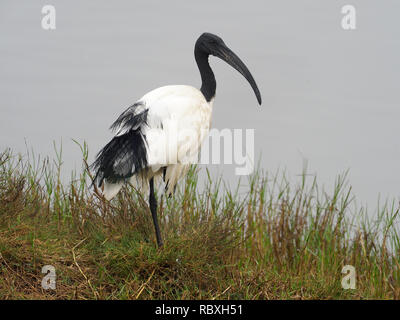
<point x="153" y="209"/>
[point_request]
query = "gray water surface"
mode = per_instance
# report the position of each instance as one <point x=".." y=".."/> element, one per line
<point x="330" y="96"/>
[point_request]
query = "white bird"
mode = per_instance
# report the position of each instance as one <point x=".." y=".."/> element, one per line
<point x="161" y="134"/>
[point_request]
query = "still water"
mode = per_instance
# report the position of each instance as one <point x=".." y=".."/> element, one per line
<point x="330" y="96"/>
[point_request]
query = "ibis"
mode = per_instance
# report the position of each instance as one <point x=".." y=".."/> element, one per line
<point x="160" y="135"/>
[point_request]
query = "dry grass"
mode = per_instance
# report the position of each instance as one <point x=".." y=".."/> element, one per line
<point x="277" y="242"/>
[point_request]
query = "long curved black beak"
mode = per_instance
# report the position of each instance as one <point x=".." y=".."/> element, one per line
<point x="226" y="54"/>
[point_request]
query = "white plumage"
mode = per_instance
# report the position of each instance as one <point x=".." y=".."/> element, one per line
<point x="178" y="120"/>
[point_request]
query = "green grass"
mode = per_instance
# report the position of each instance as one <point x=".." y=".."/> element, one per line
<point x="276" y="241"/>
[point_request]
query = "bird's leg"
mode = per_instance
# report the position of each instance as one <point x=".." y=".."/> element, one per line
<point x="153" y="209"/>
